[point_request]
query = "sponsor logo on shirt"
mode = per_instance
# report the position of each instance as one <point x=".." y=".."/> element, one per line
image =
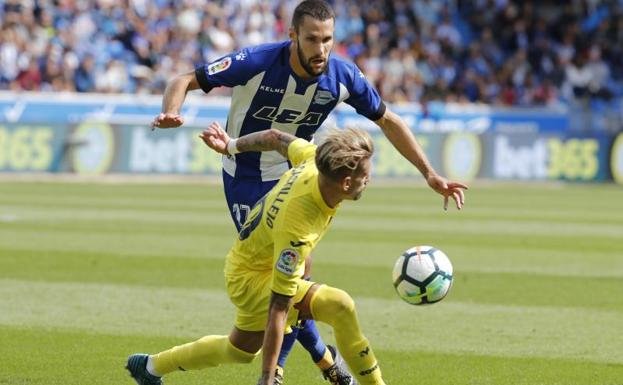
<point x="287" y="116"/>
<point x="219" y="66"/>
<point x="323" y="97"/>
<point x="271" y="89"/>
<point x="288" y="259"/>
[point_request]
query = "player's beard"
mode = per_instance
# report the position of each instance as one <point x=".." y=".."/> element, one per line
<point x="305" y="63"/>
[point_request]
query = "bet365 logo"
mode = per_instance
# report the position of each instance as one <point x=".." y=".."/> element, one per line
<point x="288" y="116"/>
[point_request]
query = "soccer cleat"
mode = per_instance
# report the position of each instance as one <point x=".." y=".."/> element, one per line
<point x="278" y="376"/>
<point x="338" y="373"/>
<point x="137" y="366"/>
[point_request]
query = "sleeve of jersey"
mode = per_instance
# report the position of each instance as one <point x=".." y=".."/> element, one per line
<point x="364" y="98"/>
<point x="232" y="70"/>
<point x="300" y="150"/>
<point x="289" y="262"/>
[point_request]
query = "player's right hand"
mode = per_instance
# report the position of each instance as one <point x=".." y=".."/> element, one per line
<point x="216" y="138"/>
<point x="167" y="120"/>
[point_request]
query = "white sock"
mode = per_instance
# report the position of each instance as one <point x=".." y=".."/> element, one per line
<point x="151" y="369"/>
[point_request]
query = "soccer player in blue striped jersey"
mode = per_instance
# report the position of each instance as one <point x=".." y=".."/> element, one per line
<point x="291" y="86"/>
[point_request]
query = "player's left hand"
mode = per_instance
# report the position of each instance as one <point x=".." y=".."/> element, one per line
<point x="448" y="189"/>
<point x="216" y="138"/>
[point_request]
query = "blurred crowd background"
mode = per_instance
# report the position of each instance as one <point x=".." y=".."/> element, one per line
<point x="498" y="52"/>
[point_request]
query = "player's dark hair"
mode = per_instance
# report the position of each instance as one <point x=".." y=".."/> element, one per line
<point x="318" y="9"/>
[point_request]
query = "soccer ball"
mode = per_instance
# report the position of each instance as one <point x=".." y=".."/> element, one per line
<point x="422" y="275"/>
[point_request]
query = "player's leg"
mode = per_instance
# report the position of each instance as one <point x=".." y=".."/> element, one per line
<point x="241" y="195"/>
<point x="287" y="345"/>
<point x="310" y="339"/>
<point x="336" y="308"/>
<point x="239" y="347"/>
<point x="306" y="333"/>
<point x="308" y="336"/>
<point x="250" y="292"/>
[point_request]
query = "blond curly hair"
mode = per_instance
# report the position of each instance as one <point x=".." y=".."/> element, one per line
<point x="342" y="151"/>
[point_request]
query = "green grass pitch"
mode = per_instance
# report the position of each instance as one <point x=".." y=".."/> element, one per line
<point x="90" y="273"/>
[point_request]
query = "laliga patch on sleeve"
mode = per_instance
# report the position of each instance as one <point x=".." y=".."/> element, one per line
<point x="219" y="66"/>
<point x="288" y="259"/>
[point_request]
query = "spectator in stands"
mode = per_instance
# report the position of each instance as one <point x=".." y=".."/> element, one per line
<point x="29" y="79"/>
<point x="84" y="78"/>
<point x="501" y="52"/>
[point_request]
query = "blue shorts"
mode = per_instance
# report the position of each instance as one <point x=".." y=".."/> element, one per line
<point x="242" y="194"/>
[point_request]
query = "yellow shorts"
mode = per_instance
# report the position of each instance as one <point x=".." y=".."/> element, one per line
<point x="250" y="292"/>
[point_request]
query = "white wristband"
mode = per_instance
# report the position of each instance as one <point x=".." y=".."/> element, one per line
<point x="231" y="147"/>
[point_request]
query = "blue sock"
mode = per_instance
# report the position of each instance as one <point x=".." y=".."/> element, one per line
<point x="307" y="334"/>
<point x="286" y="346"/>
<point x="309" y="337"/>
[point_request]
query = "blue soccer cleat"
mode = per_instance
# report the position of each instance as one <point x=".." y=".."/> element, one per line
<point x="137" y="366"/>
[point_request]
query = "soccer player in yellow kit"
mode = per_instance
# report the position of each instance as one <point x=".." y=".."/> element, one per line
<point x="264" y="269"/>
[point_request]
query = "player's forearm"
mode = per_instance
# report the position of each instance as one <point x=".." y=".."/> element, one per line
<point x="273" y="336"/>
<point x="175" y="92"/>
<point x="267" y="140"/>
<point x="401" y="137"/>
<point x="272" y="345"/>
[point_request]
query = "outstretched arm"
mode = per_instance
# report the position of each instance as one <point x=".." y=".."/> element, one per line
<point x="268" y="140"/>
<point x="174" y="95"/>
<point x="399" y="134"/>
<point x="273" y="336"/>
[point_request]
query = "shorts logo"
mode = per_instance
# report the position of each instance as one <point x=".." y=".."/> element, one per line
<point x="219" y="66"/>
<point x="288" y="259"/>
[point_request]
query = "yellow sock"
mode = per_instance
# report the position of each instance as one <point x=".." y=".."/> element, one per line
<point x="336" y="308"/>
<point x="326" y="361"/>
<point x="205" y="352"/>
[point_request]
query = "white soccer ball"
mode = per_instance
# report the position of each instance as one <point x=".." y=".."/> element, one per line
<point x="422" y="275"/>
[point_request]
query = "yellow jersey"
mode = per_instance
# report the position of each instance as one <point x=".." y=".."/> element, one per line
<point x="284" y="226"/>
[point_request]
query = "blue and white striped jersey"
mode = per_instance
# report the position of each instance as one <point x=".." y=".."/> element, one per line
<point x="268" y="94"/>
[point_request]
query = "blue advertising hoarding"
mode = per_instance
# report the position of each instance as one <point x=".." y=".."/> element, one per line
<point x="95" y="134"/>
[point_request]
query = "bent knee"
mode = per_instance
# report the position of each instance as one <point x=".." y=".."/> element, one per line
<point x="245" y="359"/>
<point x="240" y="356"/>
<point x="335" y="301"/>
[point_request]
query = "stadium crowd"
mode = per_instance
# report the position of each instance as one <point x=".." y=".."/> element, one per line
<point x="501" y="52"/>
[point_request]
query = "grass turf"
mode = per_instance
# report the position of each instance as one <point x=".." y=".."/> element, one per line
<point x="90" y="273"/>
